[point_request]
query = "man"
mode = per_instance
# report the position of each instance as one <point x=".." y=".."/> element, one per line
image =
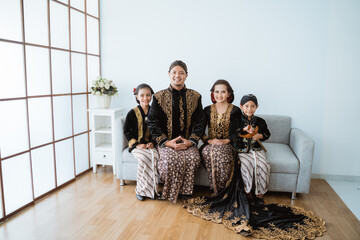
<point x="177" y="121"/>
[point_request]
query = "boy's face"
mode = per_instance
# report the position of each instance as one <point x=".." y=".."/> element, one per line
<point x="249" y="108"/>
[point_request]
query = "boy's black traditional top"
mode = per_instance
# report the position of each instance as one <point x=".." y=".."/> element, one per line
<point x="176" y="113"/>
<point x="247" y="144"/>
<point x="135" y="129"/>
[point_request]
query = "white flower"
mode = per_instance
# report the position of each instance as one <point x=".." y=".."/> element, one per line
<point x="102" y="86"/>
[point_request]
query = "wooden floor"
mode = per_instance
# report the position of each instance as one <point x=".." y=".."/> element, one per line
<point x="97" y="207"/>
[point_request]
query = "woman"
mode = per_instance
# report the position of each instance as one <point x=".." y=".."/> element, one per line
<point x="221" y="118"/>
<point x="141" y="144"/>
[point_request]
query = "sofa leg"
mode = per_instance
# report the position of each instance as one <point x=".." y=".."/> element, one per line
<point x="293" y="196"/>
<point x="122" y="182"/>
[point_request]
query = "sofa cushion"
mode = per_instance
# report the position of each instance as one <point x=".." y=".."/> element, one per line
<point x="281" y="158"/>
<point x="128" y="157"/>
<point x="279" y="127"/>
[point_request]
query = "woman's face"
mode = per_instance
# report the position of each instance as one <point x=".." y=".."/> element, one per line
<point x="177" y="77"/>
<point x="221" y="93"/>
<point x="144" y="97"/>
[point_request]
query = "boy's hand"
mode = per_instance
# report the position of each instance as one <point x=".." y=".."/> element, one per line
<point x="257" y="137"/>
<point x="248" y="129"/>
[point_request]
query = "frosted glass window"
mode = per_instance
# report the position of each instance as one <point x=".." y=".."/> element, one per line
<point x="81" y="153"/>
<point x="10" y="19"/>
<point x="36" y="22"/>
<point x="79" y="4"/>
<point x="17" y="182"/>
<point x="12" y="83"/>
<point x="92" y="7"/>
<point x="40" y="121"/>
<point x="59" y="25"/>
<point x="93" y="69"/>
<point x="43" y="169"/>
<point x="80" y="113"/>
<point x="64" y="161"/>
<point x="92" y="35"/>
<point x="77" y="31"/>
<point x="78" y="67"/>
<point x="64" y="1"/>
<point x="62" y="117"/>
<point x="60" y="69"/>
<point x="13" y="127"/>
<point x="1" y="202"/>
<point x="38" y="71"/>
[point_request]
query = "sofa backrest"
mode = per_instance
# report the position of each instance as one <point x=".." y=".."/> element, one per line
<point x="279" y="127"/>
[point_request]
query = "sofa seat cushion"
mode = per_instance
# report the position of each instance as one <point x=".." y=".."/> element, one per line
<point x="128" y="157"/>
<point x="281" y="158"/>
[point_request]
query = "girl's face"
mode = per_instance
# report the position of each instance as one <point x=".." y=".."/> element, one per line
<point x="221" y="93"/>
<point x="144" y="96"/>
<point x="177" y="77"/>
<point x="249" y="108"/>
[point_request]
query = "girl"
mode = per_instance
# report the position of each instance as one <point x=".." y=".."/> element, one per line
<point x="141" y="144"/>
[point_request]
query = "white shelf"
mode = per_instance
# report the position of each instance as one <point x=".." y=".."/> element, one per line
<point x="103" y="130"/>
<point x="104" y="147"/>
<point x="106" y="137"/>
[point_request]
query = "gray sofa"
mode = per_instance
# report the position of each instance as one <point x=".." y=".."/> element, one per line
<point x="289" y="150"/>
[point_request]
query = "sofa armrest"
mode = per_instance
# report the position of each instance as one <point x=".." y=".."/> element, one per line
<point x="123" y="142"/>
<point x="303" y="147"/>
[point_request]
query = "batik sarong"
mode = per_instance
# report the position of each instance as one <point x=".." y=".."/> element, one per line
<point x="218" y="161"/>
<point x="255" y="168"/>
<point x="147" y="175"/>
<point x="177" y="171"/>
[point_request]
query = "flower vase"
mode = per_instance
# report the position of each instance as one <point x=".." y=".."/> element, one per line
<point x="104" y="101"/>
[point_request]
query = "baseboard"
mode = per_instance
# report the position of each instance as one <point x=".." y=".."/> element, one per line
<point x="348" y="178"/>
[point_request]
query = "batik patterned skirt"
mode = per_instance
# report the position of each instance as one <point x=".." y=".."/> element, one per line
<point x="255" y="168"/>
<point x="147" y="175"/>
<point x="218" y="161"/>
<point x="177" y="171"/>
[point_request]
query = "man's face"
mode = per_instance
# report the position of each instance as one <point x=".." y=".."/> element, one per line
<point x="177" y="77"/>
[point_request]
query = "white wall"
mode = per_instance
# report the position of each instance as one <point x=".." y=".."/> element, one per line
<point x="300" y="58"/>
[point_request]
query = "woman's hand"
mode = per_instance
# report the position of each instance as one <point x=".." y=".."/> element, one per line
<point x="141" y="146"/>
<point x="257" y="136"/>
<point x="215" y="141"/>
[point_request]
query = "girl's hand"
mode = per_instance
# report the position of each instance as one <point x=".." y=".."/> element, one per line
<point x="141" y="146"/>
<point x="257" y="137"/>
<point x="225" y="141"/>
<point x="150" y="145"/>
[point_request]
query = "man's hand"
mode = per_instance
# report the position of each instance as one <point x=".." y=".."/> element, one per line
<point x="179" y="143"/>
